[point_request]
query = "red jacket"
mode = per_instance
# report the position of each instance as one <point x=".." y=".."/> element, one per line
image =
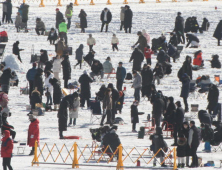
<point x="33" y="133"/>
<point x="198" y="60"/>
<point x="147" y="52"/>
<point x="7" y="145"/>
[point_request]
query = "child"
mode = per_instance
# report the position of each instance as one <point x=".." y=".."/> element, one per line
<point x="6" y="150"/>
<point x="18" y="22"/>
<point x="74" y="111"/>
<point x="115" y="42"/>
<point x="148" y="52"/>
<point x="207" y="134"/>
<point x="52" y="37"/>
<point x="181" y="150"/>
<point x="119" y="104"/>
<point x="134" y="115"/>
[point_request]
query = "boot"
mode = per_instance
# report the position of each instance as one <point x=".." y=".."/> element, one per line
<point x="32" y="151"/>
<point x="163" y="165"/>
<point x="182" y="165"/>
<point x="179" y="166"/>
<point x="154" y="164"/>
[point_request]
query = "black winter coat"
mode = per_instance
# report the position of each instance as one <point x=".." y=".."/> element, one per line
<point x="53" y="36"/>
<point x="111" y="139"/>
<point x="97" y="68"/>
<point x="212" y="97"/>
<point x="205" y="24"/>
<point x="59" y="17"/>
<point x="158" y="71"/>
<point x="187" y="25"/>
<point x="16" y="49"/>
<point x="44" y="57"/>
<point x="181" y="147"/>
<point x="187" y="68"/>
<point x="178" y="117"/>
<point x="185" y="88"/>
<point x="67" y="102"/>
<point x="204" y="117"/>
<point x="109" y="16"/>
<point x="170" y="111"/>
<point x="196" y="137"/>
<point x="157" y="143"/>
<point x="137" y="57"/>
<point x="9" y="7"/>
<point x="142" y="43"/>
<point x="134" y="114"/>
<point x="101" y="93"/>
<point x="190" y="38"/>
<point x="215" y="63"/>
<point x="85" y="81"/>
<point x="25" y="11"/>
<point x="207" y="134"/>
<point x="128" y="18"/>
<point x="83" y="20"/>
<point x="48" y="66"/>
<point x="35" y="98"/>
<point x="38" y="82"/>
<point x="5" y="124"/>
<point x="158" y="108"/>
<point x="6" y="76"/>
<point x="173" y="40"/>
<point x="185" y="132"/>
<point x="218" y="134"/>
<point x="147" y="76"/>
<point x="57" y="92"/>
<point x="179" y="24"/>
<point x="162" y="57"/>
<point x="66" y="68"/>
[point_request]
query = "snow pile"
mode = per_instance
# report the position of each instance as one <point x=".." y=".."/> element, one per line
<point x="10" y="61"/>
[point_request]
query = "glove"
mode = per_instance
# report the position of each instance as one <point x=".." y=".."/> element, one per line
<point x="32" y="136"/>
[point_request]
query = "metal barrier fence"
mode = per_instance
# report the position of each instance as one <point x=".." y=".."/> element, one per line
<point x="76" y="3"/>
<point x="92" y="155"/>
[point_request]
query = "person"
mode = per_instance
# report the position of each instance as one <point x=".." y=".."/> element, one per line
<point x="97" y="69"/>
<point x="66" y="68"/>
<point x="6" y="150"/>
<point x="61" y="46"/>
<point x="68" y="14"/>
<point x="207" y="135"/>
<point x="101" y="93"/>
<point x="89" y="58"/>
<point x="73" y="112"/>
<point x="122" y="16"/>
<point x="38" y="82"/>
<point x="158" y="73"/>
<point x="40" y="26"/>
<point x="67" y="102"/>
<point x="43" y="58"/>
<point x="7" y="126"/>
<point x="107" y="107"/>
<point x="205" y="24"/>
<point x="188" y="25"/>
<point x="177" y="121"/>
<point x="30" y="76"/>
<point x="36" y="97"/>
<point x="194" y="141"/>
<point x="120" y="76"/>
<point x="85" y="92"/>
<point x="198" y="61"/>
<point x="158" y="108"/>
<point x="137" y="57"/>
<point x="115" y="42"/>
<point x="18" y="22"/>
<point x="105" y="17"/>
<point x="115" y="97"/>
<point x="48" y="87"/>
<point x="59" y="17"/>
<point x="48" y="66"/>
<point x="187" y="67"/>
<point x="162" y="57"/>
<point x="4" y="11"/>
<point x="5" y="80"/>
<point x="52" y="37"/>
<point x="63" y="31"/>
<point x="33" y="133"/>
<point x="79" y="55"/>
<point x="173" y="39"/>
<point x="128" y="17"/>
<point x="57" y="92"/>
<point x="147" y="79"/>
<point x="185" y="90"/>
<point x="9" y="12"/>
<point x="212" y="98"/>
<point x="141" y="41"/>
<point x="170" y="111"/>
<point x="120" y="101"/>
<point x="112" y="140"/>
<point x="185" y="131"/>
<point x="134" y="115"/>
<point x="193" y="40"/>
<point x="194" y="25"/>
<point x="137" y="84"/>
<point x="107" y="66"/>
<point x="24" y="14"/>
<point x="147" y="53"/>
<point x="16" y="50"/>
<point x="181" y="151"/>
<point x="215" y="62"/>
<point x="158" y="143"/>
<point x="83" y="20"/>
<point x="91" y="42"/>
<point x="56" y="67"/>
<point x="217" y="133"/>
<point x="146" y="35"/>
<point x="179" y="28"/>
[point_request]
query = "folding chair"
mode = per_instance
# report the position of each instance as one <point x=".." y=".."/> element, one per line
<point x="216" y="148"/>
<point x="22" y="148"/>
<point x="169" y="129"/>
<point x="96" y="112"/>
<point x="194" y="110"/>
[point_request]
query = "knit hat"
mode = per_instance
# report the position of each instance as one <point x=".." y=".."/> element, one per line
<point x="57" y="9"/>
<point x="34" y="64"/>
<point x="84" y="72"/>
<point x="31" y="117"/>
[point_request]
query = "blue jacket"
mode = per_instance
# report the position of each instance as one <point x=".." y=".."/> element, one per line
<point x="31" y="74"/>
<point x="121" y="73"/>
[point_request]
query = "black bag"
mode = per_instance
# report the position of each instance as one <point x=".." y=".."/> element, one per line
<point x="34" y="57"/>
<point x="117" y="120"/>
<point x="129" y="76"/>
<point x="48" y="107"/>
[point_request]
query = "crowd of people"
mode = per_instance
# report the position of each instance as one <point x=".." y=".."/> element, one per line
<point x="44" y="79"/>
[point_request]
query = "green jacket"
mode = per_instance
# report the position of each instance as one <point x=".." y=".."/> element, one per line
<point x="63" y="27"/>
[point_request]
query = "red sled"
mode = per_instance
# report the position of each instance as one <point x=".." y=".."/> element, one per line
<point x="72" y="137"/>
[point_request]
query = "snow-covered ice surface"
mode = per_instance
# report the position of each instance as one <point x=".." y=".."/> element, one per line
<point x="151" y="16"/>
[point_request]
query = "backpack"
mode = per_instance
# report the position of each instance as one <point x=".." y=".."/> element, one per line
<point x="129" y="76"/>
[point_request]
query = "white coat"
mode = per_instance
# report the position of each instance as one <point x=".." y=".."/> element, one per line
<point x="57" y="65"/>
<point x="91" y="41"/>
<point x="74" y="112"/>
<point x="115" y="40"/>
<point x="48" y="85"/>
